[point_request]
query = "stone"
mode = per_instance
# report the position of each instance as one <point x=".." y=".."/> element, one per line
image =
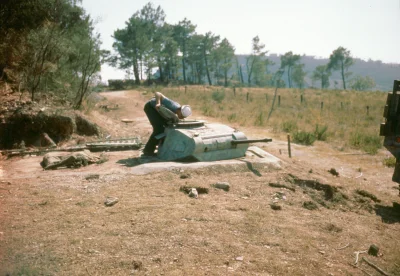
<point x="222" y="185"/>
<point x="276" y="207"/>
<point x="240" y="259"/>
<point x="111" y="201"/>
<point x="193" y="193"/>
<point x="373" y="250"/>
<point x="185" y="176"/>
<point x="92" y="176"/>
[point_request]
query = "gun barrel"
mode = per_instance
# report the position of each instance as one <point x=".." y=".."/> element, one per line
<point x="237" y="142"/>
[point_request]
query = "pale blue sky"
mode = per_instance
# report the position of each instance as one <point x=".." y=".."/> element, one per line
<point x="368" y="28"/>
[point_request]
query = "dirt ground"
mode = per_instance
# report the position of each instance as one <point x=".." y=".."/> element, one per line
<point x="298" y="220"/>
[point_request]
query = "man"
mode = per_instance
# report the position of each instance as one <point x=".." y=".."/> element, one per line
<point x="157" y="121"/>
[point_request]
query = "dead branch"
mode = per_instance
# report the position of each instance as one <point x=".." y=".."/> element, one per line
<point x="357" y="254"/>
<point x="366" y="272"/>
<point x="361" y="174"/>
<point x="375" y="266"/>
<point x="340" y="248"/>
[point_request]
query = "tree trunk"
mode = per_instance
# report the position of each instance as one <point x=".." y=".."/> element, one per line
<point x="241" y="74"/>
<point x="344" y="81"/>
<point x="226" y="78"/>
<point x="161" y="72"/>
<point x="207" y="71"/>
<point x="136" y="72"/>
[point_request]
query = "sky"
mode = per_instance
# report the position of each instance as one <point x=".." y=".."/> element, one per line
<point x="370" y="29"/>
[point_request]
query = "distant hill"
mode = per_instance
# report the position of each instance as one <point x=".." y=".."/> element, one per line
<point x="382" y="73"/>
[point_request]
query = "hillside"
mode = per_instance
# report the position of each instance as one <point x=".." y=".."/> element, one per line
<point x="382" y="73"/>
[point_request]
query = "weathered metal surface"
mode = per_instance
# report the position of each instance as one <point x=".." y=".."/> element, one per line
<point x="132" y="143"/>
<point x="115" y="145"/>
<point x="391" y="127"/>
<point x="198" y="141"/>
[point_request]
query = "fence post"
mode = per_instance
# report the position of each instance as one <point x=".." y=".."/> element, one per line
<point x="266" y="98"/>
<point x="279" y="100"/>
<point x="234" y="91"/>
<point x="367" y="110"/>
<point x="341" y="105"/>
<point x="247" y="97"/>
<point x="289" y="148"/>
<point x="301" y="98"/>
<point x="322" y="106"/>
<point x="185" y="89"/>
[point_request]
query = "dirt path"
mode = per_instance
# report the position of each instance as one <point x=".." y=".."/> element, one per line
<point x="56" y="223"/>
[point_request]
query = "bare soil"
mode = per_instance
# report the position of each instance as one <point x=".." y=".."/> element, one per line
<point x="299" y="220"/>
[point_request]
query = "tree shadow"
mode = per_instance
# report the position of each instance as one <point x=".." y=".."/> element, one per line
<point x="389" y="214"/>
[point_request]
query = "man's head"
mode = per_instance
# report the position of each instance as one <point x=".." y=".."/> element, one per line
<point x="184" y="111"/>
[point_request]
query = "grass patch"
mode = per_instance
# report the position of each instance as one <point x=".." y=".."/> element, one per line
<point x="304" y="138"/>
<point x="389" y="162"/>
<point x="368" y="143"/>
<point x="218" y="96"/>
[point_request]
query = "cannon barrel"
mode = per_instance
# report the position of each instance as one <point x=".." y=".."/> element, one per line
<point x="247" y="141"/>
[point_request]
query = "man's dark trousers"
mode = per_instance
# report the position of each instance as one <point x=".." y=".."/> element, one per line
<point x="158" y="122"/>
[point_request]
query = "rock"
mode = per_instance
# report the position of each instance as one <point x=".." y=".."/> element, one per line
<point x="92" y="176"/>
<point x="276" y="207"/>
<point x="193" y="193"/>
<point x="222" y="185"/>
<point x="111" y="201"/>
<point x="184" y="176"/>
<point x="54" y="160"/>
<point x="240" y="259"/>
<point x="373" y="250"/>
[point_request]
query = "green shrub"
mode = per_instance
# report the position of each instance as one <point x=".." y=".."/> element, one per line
<point x="320" y="132"/>
<point x="389" y="162"/>
<point x="260" y="119"/>
<point x="289" y="126"/>
<point x="218" y="96"/>
<point x="232" y="117"/>
<point x="366" y="142"/>
<point x="304" y="138"/>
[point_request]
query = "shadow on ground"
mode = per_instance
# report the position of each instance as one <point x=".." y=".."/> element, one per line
<point x="136" y="161"/>
<point x="389" y="214"/>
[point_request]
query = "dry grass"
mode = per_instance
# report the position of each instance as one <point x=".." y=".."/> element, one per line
<point x="343" y="113"/>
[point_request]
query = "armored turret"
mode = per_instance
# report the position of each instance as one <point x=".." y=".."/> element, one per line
<point x="200" y="141"/>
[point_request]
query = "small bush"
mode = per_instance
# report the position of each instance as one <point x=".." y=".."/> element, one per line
<point x="366" y="142"/>
<point x="389" y="162"/>
<point x="218" y="96"/>
<point x="289" y="126"/>
<point x="320" y="132"/>
<point x="304" y="138"/>
<point x="260" y="119"/>
<point x="232" y="117"/>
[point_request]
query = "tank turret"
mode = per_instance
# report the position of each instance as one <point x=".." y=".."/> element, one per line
<point x="200" y="141"/>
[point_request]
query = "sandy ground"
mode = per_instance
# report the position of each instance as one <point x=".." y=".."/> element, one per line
<point x="56" y="222"/>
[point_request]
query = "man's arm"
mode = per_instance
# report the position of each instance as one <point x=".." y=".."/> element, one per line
<point x="159" y="98"/>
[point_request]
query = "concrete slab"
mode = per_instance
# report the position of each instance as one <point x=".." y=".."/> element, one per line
<point x="255" y="157"/>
